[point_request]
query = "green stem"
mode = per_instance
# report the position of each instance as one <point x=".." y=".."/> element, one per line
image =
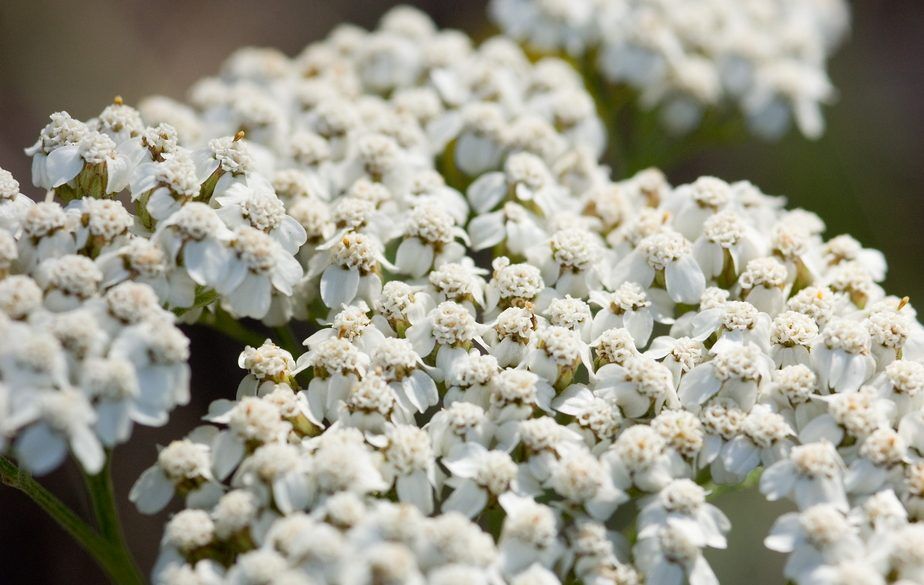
<point x="717" y="490"/>
<point x="287" y="340"/>
<point x="224" y="323"/>
<point x="102" y="498"/>
<point x="117" y="565"/>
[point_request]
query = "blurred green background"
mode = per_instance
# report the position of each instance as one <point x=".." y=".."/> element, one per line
<point x="864" y="177"/>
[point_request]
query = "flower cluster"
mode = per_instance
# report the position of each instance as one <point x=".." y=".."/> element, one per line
<point x="520" y="369"/>
<point x="766" y="57"/>
<point x="83" y="356"/>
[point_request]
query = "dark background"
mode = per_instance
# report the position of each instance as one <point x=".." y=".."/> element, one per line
<point x="864" y="177"/>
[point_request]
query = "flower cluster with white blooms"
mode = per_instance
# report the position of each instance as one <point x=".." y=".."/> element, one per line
<point x="765" y="57"/>
<point x="520" y="370"/>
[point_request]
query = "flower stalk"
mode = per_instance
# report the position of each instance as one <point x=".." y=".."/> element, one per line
<point x="106" y="547"/>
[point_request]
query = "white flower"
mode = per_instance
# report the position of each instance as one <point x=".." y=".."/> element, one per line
<point x="450" y="329"/>
<point x="514" y="394"/>
<point x="680" y="355"/>
<point x="429" y="240"/>
<point x="881" y="460"/>
<point x="640" y="457"/>
<point x="19" y="296"/>
<point x="764" y="284"/>
<point x="13" y="204"/>
<point x="854" y="415"/>
<point x="765" y="439"/>
<point x="727" y="244"/>
<point x="370" y="406"/>
<point x="399" y="306"/>
<point x="410" y="464"/>
<point x="257" y="269"/>
<point x="337" y="365"/>
<point x="480" y="140"/>
<point x="194" y="234"/>
<point x="511" y="335"/>
<point x="61" y="131"/>
<point x="163" y="186"/>
<point x="736" y="372"/>
<point x="664" y="259"/>
<point x="266" y="365"/>
<point x="68" y="281"/>
<point x="46" y="232"/>
<point x="477" y="475"/>
<point x="629" y="307"/>
<point x="529" y="536"/>
<point x="673" y="556"/>
<point x="682" y="504"/>
<point x="349" y="266"/>
<point x="62" y="421"/>
<point x="525" y="179"/>
<point x="461" y="422"/>
<point x="186" y="533"/>
<point x="793" y="335"/>
<point x="512" y="285"/>
<point x="471" y="379"/>
<point x="512" y="226"/>
<point x="183" y="465"/>
<point x="159" y="353"/>
<point x="254" y="203"/>
<point x="557" y="355"/>
<point x="812" y="474"/>
<point x="586" y="484"/>
<point x="841" y="355"/>
<point x="145" y="262"/>
<point x="732" y="323"/>
<point x="460" y="282"/>
<point x="639" y="386"/>
<point x="402" y="368"/>
<point x="99" y="164"/>
<point x="340" y="462"/>
<point x="226" y="161"/>
<point x="818" y="535"/>
<point x="570" y="262"/>
<point x="251" y="421"/>
<point x="277" y="473"/>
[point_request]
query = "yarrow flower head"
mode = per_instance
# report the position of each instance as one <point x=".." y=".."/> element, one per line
<point x="515" y="368"/>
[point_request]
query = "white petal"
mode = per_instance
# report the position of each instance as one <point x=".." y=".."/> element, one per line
<point x="822" y="427"/>
<point x="227" y="451"/>
<point x="207" y="262"/>
<point x="463" y="459"/>
<point x="63" y="164"/>
<point x="339" y="286"/>
<point x="252" y="298"/>
<point x="685" y="280"/>
<point x="87" y="449"/>
<point x="698" y="386"/>
<point x="777" y="480"/>
<point x="702" y="573"/>
<point x="486" y="192"/>
<point x="416" y="489"/>
<point x="487" y="230"/>
<point x="152" y="492"/>
<point x="468" y="499"/>
<point x="414" y="257"/>
<point x="421" y="390"/>
<point x="740" y="456"/>
<point x="113" y="423"/>
<point x="290" y="492"/>
<point x="40" y="449"/>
